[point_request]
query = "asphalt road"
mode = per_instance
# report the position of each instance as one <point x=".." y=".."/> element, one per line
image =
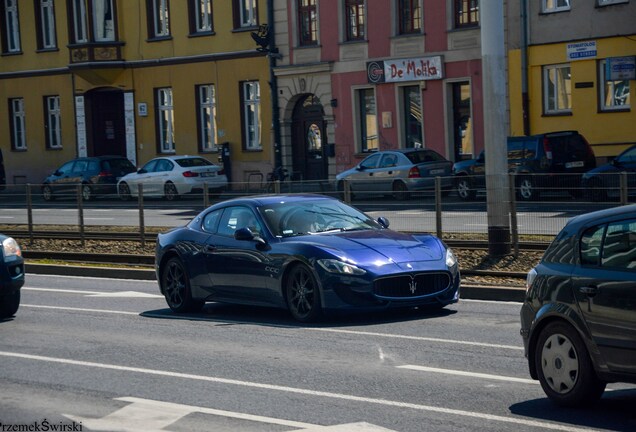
<point x="108" y="355"/>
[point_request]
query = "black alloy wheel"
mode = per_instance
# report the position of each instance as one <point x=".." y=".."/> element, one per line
<point x="124" y="191"/>
<point x="87" y="192"/>
<point x="47" y="193"/>
<point x="175" y="285"/>
<point x="400" y="191"/>
<point x="303" y="296"/>
<point x="170" y="192"/>
<point x="465" y="189"/>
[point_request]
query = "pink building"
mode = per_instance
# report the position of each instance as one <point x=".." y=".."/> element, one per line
<point x="358" y="76"/>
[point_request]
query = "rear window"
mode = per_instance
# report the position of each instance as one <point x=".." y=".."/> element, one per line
<point x="424" y="156"/>
<point x="118" y="165"/>
<point x="568" y="147"/>
<point x="193" y="162"/>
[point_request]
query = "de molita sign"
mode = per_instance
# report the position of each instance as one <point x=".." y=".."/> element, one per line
<point x="417" y="69"/>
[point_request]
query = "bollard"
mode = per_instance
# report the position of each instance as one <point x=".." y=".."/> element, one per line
<point x="29" y="201"/>
<point x="140" y="202"/>
<point x="438" y="207"/>
<point x="514" y="226"/>
<point x="80" y="213"/>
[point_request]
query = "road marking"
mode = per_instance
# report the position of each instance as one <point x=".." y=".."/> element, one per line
<point x="418" y="338"/>
<point x="468" y="374"/>
<point x="294" y="390"/>
<point x="122" y="294"/>
<point x="80" y="309"/>
<point x="98" y="218"/>
<point x="66" y="291"/>
<point x="7" y="217"/>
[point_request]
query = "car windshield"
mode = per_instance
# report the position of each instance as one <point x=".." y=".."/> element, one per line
<point x="287" y="219"/>
<point x="193" y="162"/>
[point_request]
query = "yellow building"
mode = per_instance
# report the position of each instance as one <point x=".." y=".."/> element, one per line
<point x="138" y="78"/>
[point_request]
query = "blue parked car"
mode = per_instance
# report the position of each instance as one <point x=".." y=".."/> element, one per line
<point x="11" y="276"/>
<point x="304" y="253"/>
<point x="603" y="183"/>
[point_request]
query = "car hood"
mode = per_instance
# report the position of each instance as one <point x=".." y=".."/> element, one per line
<point x="381" y="247"/>
<point x="607" y="168"/>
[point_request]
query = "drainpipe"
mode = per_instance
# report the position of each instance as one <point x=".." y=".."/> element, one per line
<point x="272" y="55"/>
<point x="525" y="103"/>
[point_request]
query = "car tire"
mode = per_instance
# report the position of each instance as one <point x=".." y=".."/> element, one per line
<point x="175" y="285"/>
<point x="9" y="305"/>
<point x="303" y="295"/>
<point x="564" y="367"/>
<point x="87" y="192"/>
<point x="526" y="189"/>
<point x="47" y="193"/>
<point x="400" y="191"/>
<point x="170" y="192"/>
<point x="465" y="189"/>
<point x="123" y="190"/>
<point x="596" y="191"/>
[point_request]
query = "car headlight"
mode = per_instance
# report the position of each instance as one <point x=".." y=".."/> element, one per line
<point x="336" y="266"/>
<point x="532" y="274"/>
<point x="451" y="259"/>
<point x="10" y="248"/>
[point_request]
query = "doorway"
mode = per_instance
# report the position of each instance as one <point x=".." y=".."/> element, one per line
<point x="309" y="140"/>
<point x="462" y="121"/>
<point x="106" y="130"/>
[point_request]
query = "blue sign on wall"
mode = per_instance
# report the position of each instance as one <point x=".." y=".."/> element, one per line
<point x="620" y="68"/>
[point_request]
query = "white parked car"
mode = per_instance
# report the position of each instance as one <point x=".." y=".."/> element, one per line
<point x="172" y="176"/>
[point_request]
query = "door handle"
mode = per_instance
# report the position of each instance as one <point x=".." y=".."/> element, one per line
<point x="589" y="290"/>
<point x="209" y="249"/>
<point x="370" y="174"/>
<point x="390" y="172"/>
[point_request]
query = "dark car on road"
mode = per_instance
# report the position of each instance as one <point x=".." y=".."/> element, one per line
<point x="578" y="320"/>
<point x="304" y="253"/>
<point x="550" y="161"/>
<point x="398" y="173"/>
<point x="604" y="182"/>
<point x="11" y="276"/>
<point x="97" y="176"/>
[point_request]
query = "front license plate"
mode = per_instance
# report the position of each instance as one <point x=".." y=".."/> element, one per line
<point x="575" y="164"/>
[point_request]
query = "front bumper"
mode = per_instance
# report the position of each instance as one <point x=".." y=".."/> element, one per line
<point x="11" y="275"/>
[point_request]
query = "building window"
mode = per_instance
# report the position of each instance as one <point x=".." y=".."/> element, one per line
<point x="557" y="89"/>
<point x="466" y="13"/>
<point x="165" y="120"/>
<point x="614" y="94"/>
<point x="409" y="16"/>
<point x="45" y="13"/>
<point x="207" y="117"/>
<point x="245" y="13"/>
<point x="307" y="23"/>
<point x="549" y="6"/>
<point x="160" y="18"/>
<point x="18" y="129"/>
<point x="251" y="101"/>
<point x="412" y="98"/>
<point x="355" y="19"/>
<point x="367" y="120"/>
<point x="201" y="16"/>
<point x="103" y="20"/>
<point x="80" y="32"/>
<point x="11" y="41"/>
<point x="53" y="122"/>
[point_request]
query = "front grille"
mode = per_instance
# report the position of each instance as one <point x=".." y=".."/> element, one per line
<point x="417" y="285"/>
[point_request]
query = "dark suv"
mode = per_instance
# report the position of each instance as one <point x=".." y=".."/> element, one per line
<point x="553" y="160"/>
<point x="578" y="320"/>
<point x="98" y="176"/>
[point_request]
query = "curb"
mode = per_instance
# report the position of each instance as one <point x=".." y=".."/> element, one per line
<point x="472" y="292"/>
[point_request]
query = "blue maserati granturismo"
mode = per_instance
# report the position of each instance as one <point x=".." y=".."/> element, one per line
<point x="307" y="253"/>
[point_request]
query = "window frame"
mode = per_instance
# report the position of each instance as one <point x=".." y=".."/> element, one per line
<point x="11" y="41"/>
<point x="79" y="22"/>
<point x="17" y="123"/>
<point x="354" y="12"/>
<point x="197" y="8"/>
<point x="95" y="20"/>
<point x="241" y="20"/>
<point x="206" y="109"/>
<point x="547" y="108"/>
<point x="412" y="22"/>
<point x="158" y="12"/>
<point x="362" y="116"/>
<point x="546" y="8"/>
<point x="164" y="120"/>
<point x="45" y="13"/>
<point x="251" y="118"/>
<point x="465" y="8"/>
<point x="406" y="91"/>
<point x="602" y="91"/>
<point x="53" y="122"/>
<point x="307" y="17"/>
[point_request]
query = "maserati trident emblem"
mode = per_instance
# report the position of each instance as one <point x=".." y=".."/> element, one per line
<point x="412" y="285"/>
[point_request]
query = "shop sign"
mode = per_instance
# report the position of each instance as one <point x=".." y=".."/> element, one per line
<point x="581" y="50"/>
<point x="417" y="69"/>
<point x="620" y="68"/>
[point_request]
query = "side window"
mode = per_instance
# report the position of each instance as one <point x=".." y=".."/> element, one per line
<point x="238" y="217"/>
<point x="388" y="160"/>
<point x="164" y="165"/>
<point x="530" y="149"/>
<point x="211" y="220"/>
<point x="370" y="162"/>
<point x="619" y="248"/>
<point x="591" y="241"/>
<point x="66" y="168"/>
<point x="94" y="166"/>
<point x="80" y="166"/>
<point x="515" y="150"/>
<point x="150" y="166"/>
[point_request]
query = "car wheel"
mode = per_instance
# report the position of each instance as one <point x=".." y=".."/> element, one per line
<point x="170" y="192"/>
<point x="124" y="191"/>
<point x="465" y="189"/>
<point x="526" y="189"/>
<point x="400" y="191"/>
<point x="87" y="192"/>
<point x="9" y="305"/>
<point x="47" y="193"/>
<point x="175" y="285"/>
<point x="303" y="297"/>
<point x="564" y="367"/>
<point x="596" y="190"/>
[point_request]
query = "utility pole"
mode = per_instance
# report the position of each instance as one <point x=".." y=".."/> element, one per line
<point x="493" y="67"/>
<point x="273" y="84"/>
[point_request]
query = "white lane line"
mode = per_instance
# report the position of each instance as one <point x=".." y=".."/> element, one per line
<point x="7" y="217"/>
<point x="98" y="218"/>
<point x="80" y="309"/>
<point x="66" y="291"/>
<point x="468" y="374"/>
<point x="114" y="294"/>
<point x="417" y="338"/>
<point x="294" y="390"/>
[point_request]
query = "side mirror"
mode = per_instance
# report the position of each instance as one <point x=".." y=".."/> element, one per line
<point x="383" y="221"/>
<point x="615" y="162"/>
<point x="57" y="173"/>
<point x="360" y="168"/>
<point x="141" y="171"/>
<point x="481" y="158"/>
<point x="246" y="234"/>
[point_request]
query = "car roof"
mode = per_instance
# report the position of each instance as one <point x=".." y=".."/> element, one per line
<point x="603" y="214"/>
<point x="175" y="157"/>
<point x="259" y="200"/>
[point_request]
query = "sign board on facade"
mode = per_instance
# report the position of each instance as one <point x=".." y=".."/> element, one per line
<point x="620" y="68"/>
<point x="581" y="50"/>
<point x="415" y="69"/>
